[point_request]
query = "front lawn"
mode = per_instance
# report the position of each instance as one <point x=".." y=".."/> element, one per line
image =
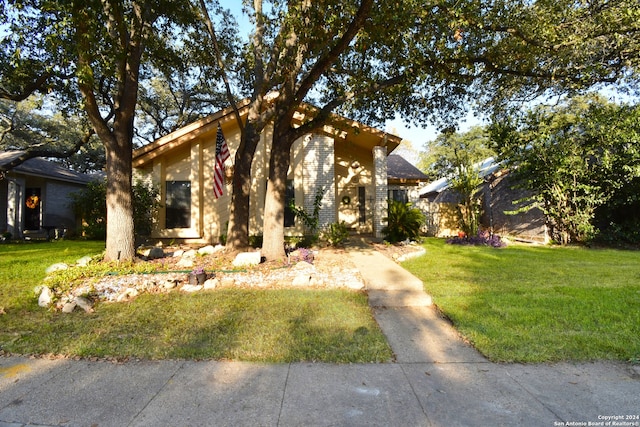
<point x="537" y="304"/>
<point x="229" y="324"/>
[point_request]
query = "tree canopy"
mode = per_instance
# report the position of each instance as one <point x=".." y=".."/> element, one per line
<point x="574" y="157"/>
<point x="444" y="155"/>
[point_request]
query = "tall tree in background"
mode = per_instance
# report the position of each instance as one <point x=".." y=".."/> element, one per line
<point x="457" y="156"/>
<point x="574" y="157"/>
<point x="27" y="126"/>
<point x="443" y="155"/>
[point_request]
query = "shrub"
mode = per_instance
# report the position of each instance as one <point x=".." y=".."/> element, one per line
<point x="336" y="233"/>
<point x="483" y="238"/>
<point x="145" y="205"/>
<point x="254" y="241"/>
<point x="403" y="222"/>
<point x="311" y="221"/>
<point x="302" y="254"/>
<point x="91" y="205"/>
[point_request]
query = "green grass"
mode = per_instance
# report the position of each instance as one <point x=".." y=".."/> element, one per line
<point x="229" y="324"/>
<point x="537" y="304"/>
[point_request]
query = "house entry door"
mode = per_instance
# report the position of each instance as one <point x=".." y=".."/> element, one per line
<point x="352" y="209"/>
<point x="33" y="204"/>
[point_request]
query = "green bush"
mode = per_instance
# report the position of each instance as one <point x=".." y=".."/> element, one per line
<point x="311" y="221"/>
<point x="336" y="233"/>
<point x="90" y="204"/>
<point x="403" y="222"/>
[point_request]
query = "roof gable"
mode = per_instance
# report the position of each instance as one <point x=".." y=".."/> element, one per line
<point x="399" y="169"/>
<point x="38" y="166"/>
<point x="339" y="127"/>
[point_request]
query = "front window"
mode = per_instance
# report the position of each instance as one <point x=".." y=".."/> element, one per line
<point x="178" y="204"/>
<point x="289" y="198"/>
<point x="399" y="196"/>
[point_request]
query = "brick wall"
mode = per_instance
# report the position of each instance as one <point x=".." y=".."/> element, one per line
<point x="319" y="172"/>
<point x="380" y="189"/>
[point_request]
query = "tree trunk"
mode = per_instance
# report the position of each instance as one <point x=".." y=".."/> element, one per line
<point x="120" y="245"/>
<point x="117" y="138"/>
<point x="273" y="239"/>
<point x="238" y="229"/>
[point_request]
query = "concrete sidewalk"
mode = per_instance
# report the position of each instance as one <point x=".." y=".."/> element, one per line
<point x="437" y="380"/>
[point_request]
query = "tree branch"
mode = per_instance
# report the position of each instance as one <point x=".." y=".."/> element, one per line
<point x="28" y="90"/>
<point x="38" y="151"/>
<point x="223" y="69"/>
<point x="327" y="60"/>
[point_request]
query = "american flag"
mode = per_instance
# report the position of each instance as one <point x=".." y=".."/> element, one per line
<point x="222" y="154"/>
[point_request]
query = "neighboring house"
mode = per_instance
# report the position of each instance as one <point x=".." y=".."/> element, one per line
<point x="346" y="159"/>
<point x="500" y="203"/>
<point x="34" y="197"/>
<point x="404" y="179"/>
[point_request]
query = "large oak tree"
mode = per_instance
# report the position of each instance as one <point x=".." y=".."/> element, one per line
<point x="88" y="56"/>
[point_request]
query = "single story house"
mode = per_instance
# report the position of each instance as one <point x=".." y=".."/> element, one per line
<point x="500" y="206"/>
<point x="346" y="160"/>
<point x="35" y="197"/>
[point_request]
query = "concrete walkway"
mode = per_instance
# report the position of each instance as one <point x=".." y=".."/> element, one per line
<point x="437" y="380"/>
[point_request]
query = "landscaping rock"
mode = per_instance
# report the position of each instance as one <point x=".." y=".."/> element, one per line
<point x="304" y="266"/>
<point x="178" y="253"/>
<point x="355" y="285"/>
<point x="418" y="252"/>
<point x="56" y="267"/>
<point x="169" y="284"/>
<point x="316" y="281"/>
<point x="151" y="252"/>
<point x="211" y="283"/>
<point x="227" y="281"/>
<point x="190" y="254"/>
<point x="185" y="263"/>
<point x="244" y="259"/>
<point x="84" y="261"/>
<point x="127" y="294"/>
<point x="210" y="249"/>
<point x="44" y="300"/>
<point x="191" y="288"/>
<point x="85" y="304"/>
<point x="301" y="279"/>
<point x="69" y="307"/>
<point x="156" y="253"/>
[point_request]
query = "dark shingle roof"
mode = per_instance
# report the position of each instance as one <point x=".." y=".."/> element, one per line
<point x="44" y="168"/>
<point x="398" y="168"/>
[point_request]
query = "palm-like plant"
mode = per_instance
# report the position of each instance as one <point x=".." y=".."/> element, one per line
<point x="403" y="222"/>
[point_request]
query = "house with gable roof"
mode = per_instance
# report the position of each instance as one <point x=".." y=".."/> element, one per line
<point x="345" y="160"/>
<point x="404" y="179"/>
<point x="502" y="206"/>
<point x="35" y="197"/>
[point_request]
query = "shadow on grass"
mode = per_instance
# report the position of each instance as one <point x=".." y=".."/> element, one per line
<point x="267" y="326"/>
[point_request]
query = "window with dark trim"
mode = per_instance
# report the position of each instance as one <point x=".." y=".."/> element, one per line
<point x="362" y="206"/>
<point x="398" y="195"/>
<point x="178" y="204"/>
<point x="289" y="198"/>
